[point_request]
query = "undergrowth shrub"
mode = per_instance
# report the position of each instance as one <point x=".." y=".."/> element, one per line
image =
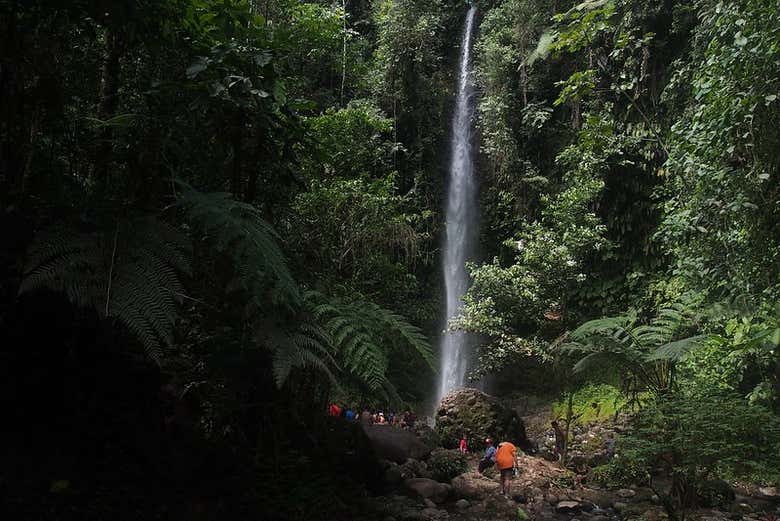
<point x="446" y="464"/>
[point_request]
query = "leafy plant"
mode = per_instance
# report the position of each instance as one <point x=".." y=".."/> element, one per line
<point x="446" y="464"/>
<point x="131" y="273"/>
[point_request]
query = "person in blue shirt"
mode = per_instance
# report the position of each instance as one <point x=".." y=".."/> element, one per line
<point x="489" y="459"/>
<point x="349" y="415"/>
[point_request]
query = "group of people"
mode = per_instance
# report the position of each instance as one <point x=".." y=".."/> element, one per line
<point x="367" y="416"/>
<point x="504" y="457"/>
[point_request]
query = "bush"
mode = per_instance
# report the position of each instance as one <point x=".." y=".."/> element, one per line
<point x="446" y="464"/>
<point x="714" y="493"/>
<point x="620" y="473"/>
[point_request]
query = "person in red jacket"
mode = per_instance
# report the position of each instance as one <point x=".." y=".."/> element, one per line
<point x="464" y="448"/>
<point x="334" y="410"/>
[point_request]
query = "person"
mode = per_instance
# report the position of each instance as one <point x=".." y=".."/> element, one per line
<point x="609" y="445"/>
<point x="464" y="448"/>
<point x="334" y="410"/>
<point x="506" y="461"/>
<point x="381" y="418"/>
<point x="489" y="458"/>
<point x="560" y="439"/>
<point x="366" y="418"/>
<point x="349" y="415"/>
<point x="408" y="420"/>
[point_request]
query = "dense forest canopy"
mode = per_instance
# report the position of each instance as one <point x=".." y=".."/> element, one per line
<point x="221" y="215"/>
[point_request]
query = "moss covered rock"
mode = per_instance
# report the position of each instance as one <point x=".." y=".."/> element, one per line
<point x="476" y="415"/>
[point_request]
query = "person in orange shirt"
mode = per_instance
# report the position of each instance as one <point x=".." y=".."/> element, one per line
<point x="506" y="461"/>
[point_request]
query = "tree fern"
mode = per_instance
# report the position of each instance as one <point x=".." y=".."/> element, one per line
<point x="237" y="229"/>
<point x="306" y="347"/>
<point x="647" y="353"/>
<point x="364" y="336"/>
<point x="130" y="273"/>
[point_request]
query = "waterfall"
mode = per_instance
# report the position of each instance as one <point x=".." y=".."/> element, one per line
<point x="461" y="220"/>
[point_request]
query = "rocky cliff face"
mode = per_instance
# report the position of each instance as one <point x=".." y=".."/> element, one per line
<point x="476" y="415"/>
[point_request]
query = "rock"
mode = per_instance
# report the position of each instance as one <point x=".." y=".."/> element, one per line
<point x="434" y="514"/>
<point x="420" y="487"/>
<point x="426" y="434"/>
<point x="473" y="485"/>
<point x="392" y="477"/>
<point x="567" y="507"/>
<point x="429" y="503"/>
<point x="519" y="497"/>
<point x="618" y="506"/>
<point x="395" y="444"/>
<point x="462" y="504"/>
<point x="626" y="493"/>
<point x="552" y="499"/>
<point x="414" y="469"/>
<point x="388" y="518"/>
<point x="476" y="415"/>
<point x="599" y="517"/>
<point x="769" y="492"/>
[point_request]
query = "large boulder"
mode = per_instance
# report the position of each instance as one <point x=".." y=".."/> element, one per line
<point x="477" y="415"/>
<point x="395" y="444"/>
<point x="473" y="485"/>
<point x="427" y="489"/>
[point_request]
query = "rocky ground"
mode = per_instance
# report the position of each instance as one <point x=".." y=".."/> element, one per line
<point x="542" y="490"/>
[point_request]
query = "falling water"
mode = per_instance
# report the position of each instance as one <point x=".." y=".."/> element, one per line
<point x="461" y="219"/>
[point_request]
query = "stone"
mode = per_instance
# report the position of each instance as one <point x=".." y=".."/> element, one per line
<point x="567" y="507"/>
<point x="462" y="504"/>
<point x="392" y="477"/>
<point x="519" y="497"/>
<point x="434" y="514"/>
<point x="473" y="485"/>
<point x="395" y="445"/>
<point x="626" y="493"/>
<point x="769" y="492"/>
<point x="618" y="506"/>
<point x="420" y="487"/>
<point x="429" y="504"/>
<point x="552" y="499"/>
<point x="477" y="415"/>
<point x="413" y="468"/>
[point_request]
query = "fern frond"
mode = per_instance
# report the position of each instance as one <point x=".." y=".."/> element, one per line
<point x="677" y="350"/>
<point x="129" y="272"/>
<point x="237" y="229"/>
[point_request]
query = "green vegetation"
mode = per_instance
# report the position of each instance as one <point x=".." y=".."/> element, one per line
<point x="218" y="216"/>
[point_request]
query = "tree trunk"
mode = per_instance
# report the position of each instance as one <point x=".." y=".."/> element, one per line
<point x="107" y="106"/>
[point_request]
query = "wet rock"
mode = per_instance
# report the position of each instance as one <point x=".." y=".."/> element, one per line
<point x="476" y="415"/>
<point x="473" y="485"/>
<point x="568" y="507"/>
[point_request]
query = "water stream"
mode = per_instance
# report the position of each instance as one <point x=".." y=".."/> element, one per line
<point x="461" y="219"/>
